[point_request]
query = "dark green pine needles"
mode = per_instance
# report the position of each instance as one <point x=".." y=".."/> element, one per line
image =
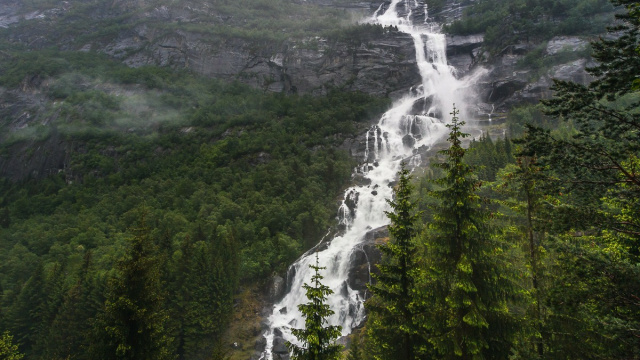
<point x="390" y="322"/>
<point x="317" y="340"/>
<point x="466" y="283"/>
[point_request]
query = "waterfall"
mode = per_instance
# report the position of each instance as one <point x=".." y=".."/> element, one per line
<point x="415" y="122"/>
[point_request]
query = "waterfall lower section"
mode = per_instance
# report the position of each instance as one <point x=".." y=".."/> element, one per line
<point x="415" y="123"/>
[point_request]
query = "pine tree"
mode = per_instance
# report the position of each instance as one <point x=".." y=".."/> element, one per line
<point x="202" y="288"/>
<point x="391" y="309"/>
<point x="467" y="282"/>
<point x="134" y="319"/>
<point x="316" y="338"/>
<point x="524" y="183"/>
<point x="69" y="332"/>
<point x="28" y="315"/>
<point x="597" y="250"/>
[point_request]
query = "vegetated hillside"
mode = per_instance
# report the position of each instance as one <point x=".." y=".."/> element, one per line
<point x="525" y="45"/>
<point x="186" y="185"/>
<point x="510" y="22"/>
<point x="277" y="45"/>
<point x="232" y="184"/>
<point x="201" y="184"/>
<point x="530" y="249"/>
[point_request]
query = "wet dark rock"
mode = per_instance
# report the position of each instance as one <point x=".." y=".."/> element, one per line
<point x="516" y="49"/>
<point x="352" y="201"/>
<point x="463" y="51"/>
<point x="344" y="290"/>
<point x="281" y="356"/>
<point x="408" y="141"/>
<point x="503" y="89"/>
<point x="360" y="179"/>
<point x="422" y="106"/>
<point x="260" y="345"/>
<point x="277" y="288"/>
<point x="573" y="71"/>
<point x="279" y="346"/>
<point x="363" y="259"/>
<point x="463" y="44"/>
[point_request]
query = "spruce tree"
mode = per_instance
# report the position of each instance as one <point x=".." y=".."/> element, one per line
<point x="134" y="320"/>
<point x="524" y="184"/>
<point x="318" y="340"/>
<point x="70" y="330"/>
<point x="28" y="315"/>
<point x="466" y="284"/>
<point x="391" y="309"/>
<point x="597" y="249"/>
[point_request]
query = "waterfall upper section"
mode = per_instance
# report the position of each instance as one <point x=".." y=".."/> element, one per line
<point x="413" y="125"/>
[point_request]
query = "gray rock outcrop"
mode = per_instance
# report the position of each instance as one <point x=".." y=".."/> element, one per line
<point x="364" y="258"/>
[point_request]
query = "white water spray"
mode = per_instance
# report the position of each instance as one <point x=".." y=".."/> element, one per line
<point x="416" y="122"/>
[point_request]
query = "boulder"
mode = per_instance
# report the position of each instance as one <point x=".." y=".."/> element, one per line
<point x="408" y="141"/>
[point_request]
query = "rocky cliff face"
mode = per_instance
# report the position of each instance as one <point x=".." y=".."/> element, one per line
<point x="184" y="36"/>
<point x="510" y="80"/>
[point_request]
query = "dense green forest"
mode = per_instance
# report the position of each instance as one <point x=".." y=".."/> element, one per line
<point x="523" y="249"/>
<point x="180" y="190"/>
<point x="220" y="183"/>
<point x="262" y="23"/>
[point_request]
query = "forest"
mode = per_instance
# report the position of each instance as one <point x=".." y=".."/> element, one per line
<point x="214" y="195"/>
<point x="525" y="248"/>
<point x="182" y="191"/>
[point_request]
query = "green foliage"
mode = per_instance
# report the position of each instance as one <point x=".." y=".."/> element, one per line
<point x="356" y="352"/>
<point x="259" y="23"/>
<point x="133" y="323"/>
<point x="488" y="156"/>
<point x="391" y="333"/>
<point x="523" y="183"/>
<point x="205" y="277"/>
<point x="8" y="350"/>
<point x="467" y="279"/>
<point x="316" y="338"/>
<point x="590" y="194"/>
<point x="249" y="177"/>
<point x="69" y="333"/>
<point x="518" y="119"/>
<point x="508" y="22"/>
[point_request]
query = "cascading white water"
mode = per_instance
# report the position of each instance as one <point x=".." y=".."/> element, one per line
<point x="416" y="121"/>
